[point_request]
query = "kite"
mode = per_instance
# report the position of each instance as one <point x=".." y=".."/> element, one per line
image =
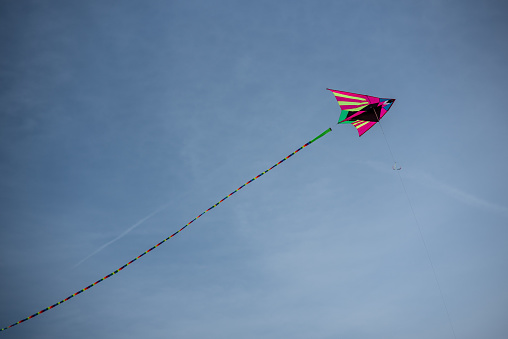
<point x="363" y="111"/>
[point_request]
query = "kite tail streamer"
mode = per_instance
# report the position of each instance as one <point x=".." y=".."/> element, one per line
<point x="319" y="136"/>
<point x="171" y="236"/>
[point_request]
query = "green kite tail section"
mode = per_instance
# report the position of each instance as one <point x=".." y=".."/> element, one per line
<point x="321" y="135"/>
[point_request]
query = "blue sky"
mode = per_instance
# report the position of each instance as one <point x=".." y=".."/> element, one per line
<point x="121" y="122"/>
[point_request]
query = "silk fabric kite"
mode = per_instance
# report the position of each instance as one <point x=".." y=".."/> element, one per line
<point x="363" y="111"/>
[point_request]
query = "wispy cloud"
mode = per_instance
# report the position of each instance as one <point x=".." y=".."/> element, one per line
<point x="463" y="196"/>
<point x="124" y="233"/>
<point x="430" y="181"/>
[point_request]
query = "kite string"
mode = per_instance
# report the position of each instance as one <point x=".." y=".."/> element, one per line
<point x="172" y="235"/>
<point x="421" y="236"/>
<point x="428" y="256"/>
<point x="384" y="135"/>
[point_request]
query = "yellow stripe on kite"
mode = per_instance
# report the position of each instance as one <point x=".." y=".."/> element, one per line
<point x="347" y="96"/>
<point x="360" y="125"/>
<point x="356" y="109"/>
<point x="352" y="103"/>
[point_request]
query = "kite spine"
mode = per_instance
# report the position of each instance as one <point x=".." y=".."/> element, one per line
<point x="171" y="236"/>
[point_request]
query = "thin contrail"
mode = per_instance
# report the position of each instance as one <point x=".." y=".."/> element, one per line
<point x="464" y="196"/>
<point x="122" y="235"/>
<point x="454" y="192"/>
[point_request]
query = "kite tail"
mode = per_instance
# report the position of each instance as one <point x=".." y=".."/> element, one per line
<point x="171" y="236"/>
<point x="321" y="135"/>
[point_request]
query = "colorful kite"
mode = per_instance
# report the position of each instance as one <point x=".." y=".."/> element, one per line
<point x="362" y="111"/>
